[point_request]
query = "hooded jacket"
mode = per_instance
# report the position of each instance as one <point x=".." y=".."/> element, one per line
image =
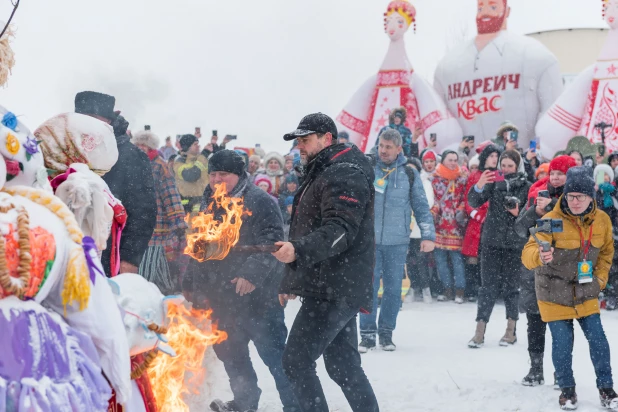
<point x="560" y="296"/>
<point x="404" y="192"/>
<point x="277" y="178"/>
<point x="332" y="229"/>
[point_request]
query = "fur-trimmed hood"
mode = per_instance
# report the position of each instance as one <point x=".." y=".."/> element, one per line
<point x="276" y="156"/>
<point x="401" y="111"/>
<point x="604" y="168"/>
<point x="146" y="138"/>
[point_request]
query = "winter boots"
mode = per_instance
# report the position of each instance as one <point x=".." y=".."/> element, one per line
<point x="366" y="345"/>
<point x="509" y="337"/>
<point x="479" y="336"/>
<point x="446" y="296"/>
<point x="459" y="296"/>
<point x="219" y="406"/>
<point x="568" y="399"/>
<point x="427" y="296"/>
<point x="386" y="344"/>
<point x="535" y="376"/>
<point x="609" y="399"/>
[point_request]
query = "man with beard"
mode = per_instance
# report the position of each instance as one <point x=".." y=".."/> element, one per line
<point x="241" y="289"/>
<point x="130" y="181"/>
<point x="329" y="259"/>
<point x="498" y="75"/>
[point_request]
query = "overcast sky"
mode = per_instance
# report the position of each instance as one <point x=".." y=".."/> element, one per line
<point x="245" y="67"/>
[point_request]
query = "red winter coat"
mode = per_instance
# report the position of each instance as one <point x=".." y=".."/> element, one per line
<point x="472" y="238"/>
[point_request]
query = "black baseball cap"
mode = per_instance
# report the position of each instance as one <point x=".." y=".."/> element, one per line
<point x="313" y="123"/>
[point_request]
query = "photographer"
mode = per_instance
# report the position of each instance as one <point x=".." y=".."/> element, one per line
<point x="569" y="278"/>
<point x="542" y="198"/>
<point x="506" y="192"/>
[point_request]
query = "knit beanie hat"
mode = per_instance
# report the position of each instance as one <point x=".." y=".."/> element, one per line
<point x="562" y="163"/>
<point x="429" y="154"/>
<point x="226" y="161"/>
<point x="474" y="161"/>
<point x="263" y="179"/>
<point x="186" y="141"/>
<point x="446" y="153"/>
<point x="579" y="181"/>
<point x="291" y="178"/>
<point x="543" y="168"/>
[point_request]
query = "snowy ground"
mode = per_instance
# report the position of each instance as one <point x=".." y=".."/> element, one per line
<point x="433" y="369"/>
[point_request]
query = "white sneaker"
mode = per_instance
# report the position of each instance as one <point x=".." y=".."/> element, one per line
<point x="459" y="300"/>
<point x="441" y="298"/>
<point x="427" y="296"/>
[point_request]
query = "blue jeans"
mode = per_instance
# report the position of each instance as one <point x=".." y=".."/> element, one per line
<point x="459" y="273"/>
<point x="562" y="350"/>
<point x="390" y="262"/>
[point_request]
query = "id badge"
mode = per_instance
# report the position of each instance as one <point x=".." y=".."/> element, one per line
<point x="380" y="185"/>
<point x="584" y="271"/>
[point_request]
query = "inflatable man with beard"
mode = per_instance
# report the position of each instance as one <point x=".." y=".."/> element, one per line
<point x="498" y="76"/>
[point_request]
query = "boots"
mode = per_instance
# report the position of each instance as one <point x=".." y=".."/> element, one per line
<point x="609" y="399"/>
<point x="459" y="296"/>
<point x="479" y="336"/>
<point x="446" y="295"/>
<point x="535" y="376"/>
<point x="568" y="399"/>
<point x="509" y="337"/>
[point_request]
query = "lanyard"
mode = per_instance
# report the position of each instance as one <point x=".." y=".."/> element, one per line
<point x="585" y="244"/>
<point x="389" y="172"/>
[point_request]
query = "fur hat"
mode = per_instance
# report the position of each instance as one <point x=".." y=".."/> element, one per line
<point x="146" y="138"/>
<point x="94" y="103"/>
<point x="562" y="163"/>
<point x="400" y="112"/>
<point x="579" y="181"/>
<point x="276" y="156"/>
<point x="474" y="161"/>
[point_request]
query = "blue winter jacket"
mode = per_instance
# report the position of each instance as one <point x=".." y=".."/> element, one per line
<point x="393" y="208"/>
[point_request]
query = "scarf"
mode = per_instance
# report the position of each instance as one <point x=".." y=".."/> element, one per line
<point x="446" y="173"/>
<point x="607" y="189"/>
<point x="152" y="154"/>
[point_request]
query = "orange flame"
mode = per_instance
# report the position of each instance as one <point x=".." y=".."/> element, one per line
<point x="214" y="238"/>
<point x="189" y="334"/>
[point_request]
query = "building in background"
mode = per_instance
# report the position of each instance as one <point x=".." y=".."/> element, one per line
<point x="575" y="49"/>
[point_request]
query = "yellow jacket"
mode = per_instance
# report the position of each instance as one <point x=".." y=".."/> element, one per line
<point x="558" y="292"/>
<point x="197" y="168"/>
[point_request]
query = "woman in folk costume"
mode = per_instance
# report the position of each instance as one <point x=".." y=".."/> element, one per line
<point x="59" y="331"/>
<point x="78" y="150"/>
<point x="396" y="85"/>
<point x="169" y="235"/>
<point x="590" y="100"/>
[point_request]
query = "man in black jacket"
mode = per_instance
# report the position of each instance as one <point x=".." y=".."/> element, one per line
<point x="241" y="289"/>
<point x="330" y="258"/>
<point x="130" y="180"/>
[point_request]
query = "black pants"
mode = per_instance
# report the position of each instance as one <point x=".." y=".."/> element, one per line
<point x="268" y="332"/>
<point x="500" y="271"/>
<point x="326" y="328"/>
<point x="473" y="280"/>
<point x="418" y="265"/>
<point x="536" y="333"/>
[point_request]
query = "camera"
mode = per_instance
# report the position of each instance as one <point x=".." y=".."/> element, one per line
<point x="510" y="202"/>
<point x="550" y="225"/>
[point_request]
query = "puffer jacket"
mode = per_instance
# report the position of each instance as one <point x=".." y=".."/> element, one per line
<point x="559" y="294"/>
<point x="332" y="229"/>
<point x="191" y="175"/>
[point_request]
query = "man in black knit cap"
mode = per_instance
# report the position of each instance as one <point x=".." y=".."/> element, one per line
<point x="130" y="180"/>
<point x="242" y="288"/>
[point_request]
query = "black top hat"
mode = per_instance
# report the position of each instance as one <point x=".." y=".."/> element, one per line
<point x="95" y="103"/>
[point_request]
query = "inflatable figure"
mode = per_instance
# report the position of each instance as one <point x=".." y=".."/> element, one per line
<point x="59" y="331"/>
<point x="397" y="85"/>
<point x="589" y="106"/>
<point x="498" y="76"/>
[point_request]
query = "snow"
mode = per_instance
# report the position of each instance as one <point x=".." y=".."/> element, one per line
<point x="434" y="370"/>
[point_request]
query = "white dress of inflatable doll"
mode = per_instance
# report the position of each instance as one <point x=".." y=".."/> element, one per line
<point x="591" y="99"/>
<point x="59" y="330"/>
<point x="498" y="76"/>
<point x="396" y="85"/>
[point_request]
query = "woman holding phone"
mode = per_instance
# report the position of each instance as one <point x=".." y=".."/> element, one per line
<point x="506" y="190"/>
<point x="542" y="198"/>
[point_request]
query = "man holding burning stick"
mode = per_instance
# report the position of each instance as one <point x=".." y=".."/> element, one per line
<point x="241" y="286"/>
<point x="330" y="258"/>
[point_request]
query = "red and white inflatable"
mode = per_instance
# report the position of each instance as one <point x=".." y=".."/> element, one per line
<point x="397" y="85"/>
<point x="499" y="76"/>
<point x="589" y="101"/>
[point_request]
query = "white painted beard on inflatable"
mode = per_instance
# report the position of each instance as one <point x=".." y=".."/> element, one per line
<point x="589" y="101"/>
<point x="499" y="76"/>
<point x="397" y="85"/>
